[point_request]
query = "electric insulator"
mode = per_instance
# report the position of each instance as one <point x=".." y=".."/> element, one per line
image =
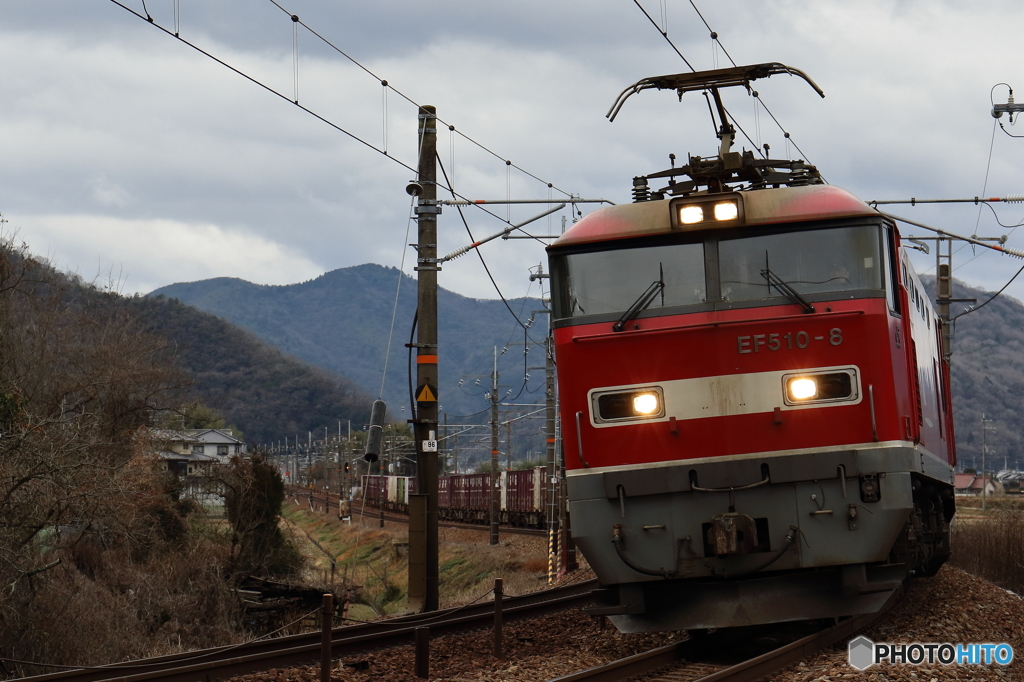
<point x="375" y="432"/>
<point x="640" y="190"/>
<point x="1013" y="198"/>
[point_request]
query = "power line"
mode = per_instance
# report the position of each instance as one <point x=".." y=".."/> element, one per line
<point x="383" y="152"/>
<point x="477" y="251"/>
<point x="408" y="99"/>
<point x="978" y="307"/>
<point x="714" y="36"/>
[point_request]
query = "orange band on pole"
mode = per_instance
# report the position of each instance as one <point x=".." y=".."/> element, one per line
<point x="426" y="359"/>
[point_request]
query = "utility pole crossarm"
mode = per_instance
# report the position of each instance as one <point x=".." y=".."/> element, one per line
<point x="1017" y="253"/>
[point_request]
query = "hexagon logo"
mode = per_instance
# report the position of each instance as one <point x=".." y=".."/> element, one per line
<point x="861" y="653"/>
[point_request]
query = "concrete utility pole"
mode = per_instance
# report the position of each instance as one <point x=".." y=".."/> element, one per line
<point x="495" y="500"/>
<point x="425" y="586"/>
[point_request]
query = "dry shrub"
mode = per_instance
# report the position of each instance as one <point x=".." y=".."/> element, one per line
<point x="125" y="591"/>
<point x="992" y="548"/>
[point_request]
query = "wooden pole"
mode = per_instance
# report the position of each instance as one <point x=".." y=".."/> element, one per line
<point x="327" y="621"/>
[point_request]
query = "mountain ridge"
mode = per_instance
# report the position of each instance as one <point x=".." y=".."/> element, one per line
<point x="341" y="321"/>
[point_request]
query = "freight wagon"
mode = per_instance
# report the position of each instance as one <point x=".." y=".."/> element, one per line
<point x="466" y="497"/>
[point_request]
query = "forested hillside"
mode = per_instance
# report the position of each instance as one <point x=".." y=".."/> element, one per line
<point x="255" y="386"/>
<point x="987" y="376"/>
<point x="340" y="321"/>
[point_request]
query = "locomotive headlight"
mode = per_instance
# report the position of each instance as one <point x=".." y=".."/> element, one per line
<point x="821" y="386"/>
<point x="802" y="388"/>
<point x="726" y="210"/>
<point x="646" y="403"/>
<point x="688" y="215"/>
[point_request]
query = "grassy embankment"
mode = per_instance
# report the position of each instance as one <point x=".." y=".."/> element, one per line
<point x="990" y="543"/>
<point x="376" y="561"/>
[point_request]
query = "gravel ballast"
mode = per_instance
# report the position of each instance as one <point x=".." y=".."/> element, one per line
<point x="953" y="607"/>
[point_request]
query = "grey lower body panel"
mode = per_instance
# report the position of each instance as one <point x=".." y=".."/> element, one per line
<point x="695" y="605"/>
<point x="646" y="532"/>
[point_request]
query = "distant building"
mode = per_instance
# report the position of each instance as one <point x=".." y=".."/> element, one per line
<point x="194" y="452"/>
<point x="971" y="484"/>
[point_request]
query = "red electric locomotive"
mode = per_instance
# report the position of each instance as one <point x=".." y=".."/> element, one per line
<point x="754" y="400"/>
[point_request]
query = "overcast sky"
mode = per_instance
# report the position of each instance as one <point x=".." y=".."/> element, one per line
<point x="127" y="155"/>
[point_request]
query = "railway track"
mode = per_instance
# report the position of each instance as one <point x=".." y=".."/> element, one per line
<point x="735" y="655"/>
<point x="293" y="650"/>
<point x="698" y="660"/>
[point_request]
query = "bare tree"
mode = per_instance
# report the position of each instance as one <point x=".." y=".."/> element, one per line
<point x="78" y="487"/>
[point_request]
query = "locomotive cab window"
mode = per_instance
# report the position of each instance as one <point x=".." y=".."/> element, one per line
<point x="811" y="262"/>
<point x="709" y="270"/>
<point x="612" y="281"/>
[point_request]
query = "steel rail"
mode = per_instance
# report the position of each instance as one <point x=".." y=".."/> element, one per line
<point x="225" y="662"/>
<point x="747" y="671"/>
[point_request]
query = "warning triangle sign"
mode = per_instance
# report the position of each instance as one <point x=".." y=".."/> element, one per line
<point x="426" y="394"/>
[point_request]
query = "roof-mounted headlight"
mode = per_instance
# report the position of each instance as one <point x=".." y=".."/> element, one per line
<point x="689" y="215"/>
<point x="726" y="210"/>
<point x="707" y="211"/>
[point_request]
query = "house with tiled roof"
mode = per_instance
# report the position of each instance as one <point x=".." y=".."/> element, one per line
<point x="971" y="484"/>
<point x="194" y="452"/>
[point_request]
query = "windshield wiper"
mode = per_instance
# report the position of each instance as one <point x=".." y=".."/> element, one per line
<point x="780" y="284"/>
<point x="640" y="304"/>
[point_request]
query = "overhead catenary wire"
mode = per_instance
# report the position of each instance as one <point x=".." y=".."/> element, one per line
<point x="984" y="189"/>
<point x="975" y="308"/>
<point x="266" y="87"/>
<point x="408" y="99"/>
<point x="297" y="21"/>
<point x="1004" y="249"/>
<point x="323" y="119"/>
<point x="715" y="38"/>
<point x="398" y="287"/>
<point x="480" y="255"/>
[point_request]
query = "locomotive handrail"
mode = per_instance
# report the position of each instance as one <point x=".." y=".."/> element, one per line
<point x="579" y="440"/>
<point x="729" y="490"/>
